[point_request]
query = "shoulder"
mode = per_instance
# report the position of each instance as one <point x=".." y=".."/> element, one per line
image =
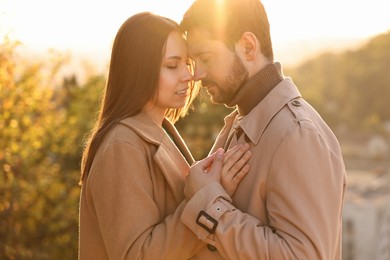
<point x="305" y="122"/>
<point x="122" y="140"/>
<point x="306" y="117"/>
<point x="123" y="134"/>
<point x="301" y="112"/>
<point x="121" y="149"/>
<point x="298" y="115"/>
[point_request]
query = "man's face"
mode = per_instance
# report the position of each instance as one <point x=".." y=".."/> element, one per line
<point x="219" y="68"/>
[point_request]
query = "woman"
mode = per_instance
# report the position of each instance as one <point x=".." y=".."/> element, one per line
<point x="135" y="162"/>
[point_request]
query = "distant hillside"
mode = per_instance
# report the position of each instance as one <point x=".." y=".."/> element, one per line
<point x="350" y="89"/>
<point x="293" y="53"/>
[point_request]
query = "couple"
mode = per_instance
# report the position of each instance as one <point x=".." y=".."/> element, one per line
<point x="273" y="185"/>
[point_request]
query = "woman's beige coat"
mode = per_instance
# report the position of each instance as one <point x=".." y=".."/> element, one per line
<point x="132" y="200"/>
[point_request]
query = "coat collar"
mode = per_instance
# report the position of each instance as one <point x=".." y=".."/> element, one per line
<point x="172" y="155"/>
<point x="255" y="122"/>
<point x="145" y="127"/>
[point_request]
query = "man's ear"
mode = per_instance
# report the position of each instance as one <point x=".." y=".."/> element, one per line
<point x="248" y="45"/>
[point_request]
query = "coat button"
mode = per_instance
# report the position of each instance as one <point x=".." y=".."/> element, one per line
<point x="296" y="103"/>
<point x="211" y="248"/>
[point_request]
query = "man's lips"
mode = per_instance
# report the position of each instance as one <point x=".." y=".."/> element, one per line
<point x="208" y="83"/>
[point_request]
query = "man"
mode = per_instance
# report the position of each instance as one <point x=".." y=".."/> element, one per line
<point x="289" y="206"/>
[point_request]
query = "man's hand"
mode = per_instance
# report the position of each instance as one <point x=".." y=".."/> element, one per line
<point x="228" y="169"/>
<point x="235" y="167"/>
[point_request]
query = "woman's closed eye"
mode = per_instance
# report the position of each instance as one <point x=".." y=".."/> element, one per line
<point x="171" y="66"/>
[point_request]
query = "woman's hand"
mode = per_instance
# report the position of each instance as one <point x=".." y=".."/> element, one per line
<point x="227" y="168"/>
<point x="235" y="167"/>
<point x="203" y="172"/>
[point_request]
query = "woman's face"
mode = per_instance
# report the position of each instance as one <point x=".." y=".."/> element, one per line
<point x="173" y="88"/>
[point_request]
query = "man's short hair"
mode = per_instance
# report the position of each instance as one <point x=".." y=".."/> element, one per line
<point x="227" y="20"/>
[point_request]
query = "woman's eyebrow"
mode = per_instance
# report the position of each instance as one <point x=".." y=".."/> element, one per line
<point x="200" y="53"/>
<point x="174" y="57"/>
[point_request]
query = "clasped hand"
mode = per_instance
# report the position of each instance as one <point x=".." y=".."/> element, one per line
<point x="227" y="168"/>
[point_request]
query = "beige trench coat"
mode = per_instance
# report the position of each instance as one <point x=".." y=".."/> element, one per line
<point x="290" y="204"/>
<point x="132" y="200"/>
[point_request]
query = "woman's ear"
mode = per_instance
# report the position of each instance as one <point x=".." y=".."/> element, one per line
<point x="249" y="46"/>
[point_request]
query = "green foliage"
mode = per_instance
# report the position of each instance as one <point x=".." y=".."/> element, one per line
<point x="41" y="135"/>
<point x="350" y="89"/>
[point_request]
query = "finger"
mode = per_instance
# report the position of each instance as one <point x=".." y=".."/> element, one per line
<point x="230" y="183"/>
<point x="241" y="174"/>
<point x="235" y="157"/>
<point x="230" y="152"/>
<point x="239" y="164"/>
<point x="207" y="161"/>
<point x="239" y="148"/>
<point x="216" y="167"/>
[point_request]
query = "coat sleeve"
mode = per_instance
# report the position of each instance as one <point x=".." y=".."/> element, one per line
<point x="129" y="219"/>
<point x="305" y="192"/>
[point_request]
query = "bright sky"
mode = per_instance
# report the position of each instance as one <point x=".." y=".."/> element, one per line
<point x="89" y="26"/>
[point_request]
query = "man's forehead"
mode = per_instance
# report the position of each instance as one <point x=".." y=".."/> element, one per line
<point x="199" y="34"/>
<point x="200" y="40"/>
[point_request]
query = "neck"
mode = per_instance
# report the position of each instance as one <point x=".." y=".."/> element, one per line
<point x="155" y="114"/>
<point x="257" y="87"/>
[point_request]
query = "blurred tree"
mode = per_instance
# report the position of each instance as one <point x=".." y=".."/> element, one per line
<point x="81" y="103"/>
<point x="42" y="127"/>
<point x="352" y="88"/>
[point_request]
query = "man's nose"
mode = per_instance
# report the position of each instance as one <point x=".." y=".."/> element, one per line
<point x="188" y="75"/>
<point x="199" y="73"/>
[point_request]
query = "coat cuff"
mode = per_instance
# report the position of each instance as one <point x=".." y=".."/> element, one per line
<point x="203" y="211"/>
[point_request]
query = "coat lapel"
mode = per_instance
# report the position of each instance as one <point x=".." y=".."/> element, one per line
<point x="176" y="138"/>
<point x="223" y="135"/>
<point x="173" y="166"/>
<point x="257" y="120"/>
<point x="173" y="163"/>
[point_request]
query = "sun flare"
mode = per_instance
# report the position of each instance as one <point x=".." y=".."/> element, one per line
<point x="88" y="27"/>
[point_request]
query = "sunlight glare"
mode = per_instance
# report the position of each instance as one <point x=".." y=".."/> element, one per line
<point x="219" y="18"/>
<point x="88" y="27"/>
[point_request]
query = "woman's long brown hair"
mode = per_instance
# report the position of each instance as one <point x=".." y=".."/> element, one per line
<point x="133" y="77"/>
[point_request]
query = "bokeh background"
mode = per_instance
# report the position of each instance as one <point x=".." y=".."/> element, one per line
<point x="53" y="66"/>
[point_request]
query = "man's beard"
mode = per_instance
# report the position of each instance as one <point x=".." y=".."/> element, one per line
<point x="233" y="82"/>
